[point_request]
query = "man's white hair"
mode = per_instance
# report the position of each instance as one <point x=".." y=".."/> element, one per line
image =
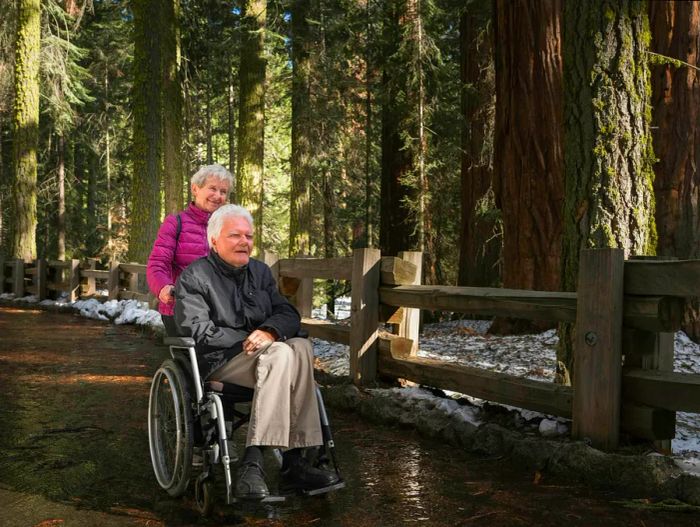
<point x="216" y="221"/>
<point x="207" y="171"/>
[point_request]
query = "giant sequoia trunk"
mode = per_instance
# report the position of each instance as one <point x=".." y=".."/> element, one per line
<point x="173" y="166"/>
<point x="479" y="241"/>
<point x="26" y="130"/>
<point x="146" y="179"/>
<point x="300" y="195"/>
<point x="608" y="143"/>
<point x="400" y="224"/>
<point x="529" y="161"/>
<point x="675" y="32"/>
<point x="251" y="113"/>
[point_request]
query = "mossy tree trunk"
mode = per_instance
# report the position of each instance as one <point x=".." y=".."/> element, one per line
<point x="609" y="156"/>
<point x="302" y="123"/>
<point x="400" y="224"/>
<point x="26" y="130"/>
<point x="529" y="166"/>
<point x="173" y="166"/>
<point x="675" y="29"/>
<point x="479" y="248"/>
<point x="251" y="113"/>
<point x="147" y="143"/>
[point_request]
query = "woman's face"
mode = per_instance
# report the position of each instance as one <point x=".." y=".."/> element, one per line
<point x="211" y="195"/>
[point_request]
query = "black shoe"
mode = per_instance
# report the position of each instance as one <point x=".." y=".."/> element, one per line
<point x="251" y="482"/>
<point x="301" y="476"/>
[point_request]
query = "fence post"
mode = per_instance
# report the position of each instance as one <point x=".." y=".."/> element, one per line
<point x="409" y="327"/>
<point x="113" y="281"/>
<point x="40" y="278"/>
<point x="364" y="318"/>
<point x="272" y="261"/>
<point x="598" y="347"/>
<point x="134" y="281"/>
<point x="91" y="287"/>
<point x="2" y="274"/>
<point x="18" y="278"/>
<point x="74" y="280"/>
<point x="303" y="299"/>
<point x="649" y="351"/>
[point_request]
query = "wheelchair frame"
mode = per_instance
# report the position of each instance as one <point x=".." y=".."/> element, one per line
<point x="171" y="393"/>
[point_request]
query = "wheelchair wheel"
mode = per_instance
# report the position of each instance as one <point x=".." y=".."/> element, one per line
<point x="170" y="429"/>
<point x="204" y="496"/>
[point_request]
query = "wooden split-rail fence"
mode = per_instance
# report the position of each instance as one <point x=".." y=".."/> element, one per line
<point x="625" y="314"/>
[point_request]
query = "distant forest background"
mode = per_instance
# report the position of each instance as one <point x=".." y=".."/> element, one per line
<point x="499" y="137"/>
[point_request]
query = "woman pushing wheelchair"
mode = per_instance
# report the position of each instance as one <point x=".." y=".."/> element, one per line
<point x="246" y="334"/>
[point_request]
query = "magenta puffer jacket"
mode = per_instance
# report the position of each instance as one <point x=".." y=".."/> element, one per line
<point x="166" y="262"/>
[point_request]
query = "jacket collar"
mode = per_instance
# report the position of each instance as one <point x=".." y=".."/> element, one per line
<point x="199" y="215"/>
<point x="226" y="269"/>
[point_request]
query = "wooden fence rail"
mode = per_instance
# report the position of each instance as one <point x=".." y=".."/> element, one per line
<point x="625" y="313"/>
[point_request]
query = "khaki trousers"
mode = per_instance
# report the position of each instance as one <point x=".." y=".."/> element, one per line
<point x="284" y="411"/>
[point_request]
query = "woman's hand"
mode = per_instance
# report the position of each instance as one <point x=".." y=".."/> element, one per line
<point x="256" y="340"/>
<point x="166" y="294"/>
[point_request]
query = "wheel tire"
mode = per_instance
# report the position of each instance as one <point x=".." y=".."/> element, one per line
<point x="204" y="496"/>
<point x="170" y="429"/>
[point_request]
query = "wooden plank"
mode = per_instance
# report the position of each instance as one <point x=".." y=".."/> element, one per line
<point x="667" y="278"/>
<point x="95" y="274"/>
<point x="113" y="281"/>
<point x="74" y="279"/>
<point x="402" y="270"/>
<point x="409" y="327"/>
<point x="364" y="315"/>
<point x="59" y="264"/>
<point x="133" y="268"/>
<point x="646" y="422"/>
<point x="653" y="313"/>
<point x="598" y="348"/>
<point x="545" y="397"/>
<point x="547" y="305"/>
<point x="18" y="277"/>
<point x="650" y="313"/>
<point x="322" y="329"/>
<point x="40" y="279"/>
<point x="669" y="390"/>
<point x="320" y="268"/>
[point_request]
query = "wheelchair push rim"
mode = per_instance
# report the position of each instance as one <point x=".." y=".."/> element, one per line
<point x="170" y="429"/>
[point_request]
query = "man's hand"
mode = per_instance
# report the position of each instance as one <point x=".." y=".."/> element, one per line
<point x="256" y="340"/>
<point x="166" y="294"/>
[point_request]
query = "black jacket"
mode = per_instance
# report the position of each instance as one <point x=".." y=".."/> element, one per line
<point x="220" y="305"/>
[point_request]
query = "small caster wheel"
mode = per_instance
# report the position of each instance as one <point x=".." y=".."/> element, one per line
<point x="204" y="496"/>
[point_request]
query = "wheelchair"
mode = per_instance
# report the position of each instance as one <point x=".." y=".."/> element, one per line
<point x="191" y="422"/>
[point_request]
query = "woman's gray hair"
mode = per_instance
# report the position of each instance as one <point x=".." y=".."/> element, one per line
<point x="207" y="171"/>
<point x="216" y="221"/>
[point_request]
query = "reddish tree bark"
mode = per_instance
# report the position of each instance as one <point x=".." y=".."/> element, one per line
<point x="675" y="28"/>
<point x="529" y="161"/>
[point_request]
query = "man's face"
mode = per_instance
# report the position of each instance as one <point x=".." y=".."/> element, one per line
<point x="235" y="242"/>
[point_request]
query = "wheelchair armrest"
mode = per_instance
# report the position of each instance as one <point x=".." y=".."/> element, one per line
<point x="182" y="342"/>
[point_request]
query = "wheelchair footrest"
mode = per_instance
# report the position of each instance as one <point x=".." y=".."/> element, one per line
<point x="322" y="490"/>
<point x="266" y="499"/>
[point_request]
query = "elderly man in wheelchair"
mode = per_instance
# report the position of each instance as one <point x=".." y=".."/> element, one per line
<point x="242" y="343"/>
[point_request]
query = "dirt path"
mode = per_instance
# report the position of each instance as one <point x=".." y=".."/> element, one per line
<point x="74" y="451"/>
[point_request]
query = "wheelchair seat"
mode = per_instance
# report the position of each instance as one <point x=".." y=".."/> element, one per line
<point x="191" y="420"/>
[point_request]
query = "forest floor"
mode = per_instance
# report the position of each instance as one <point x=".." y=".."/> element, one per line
<point x="462" y="341"/>
<point x="74" y="452"/>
